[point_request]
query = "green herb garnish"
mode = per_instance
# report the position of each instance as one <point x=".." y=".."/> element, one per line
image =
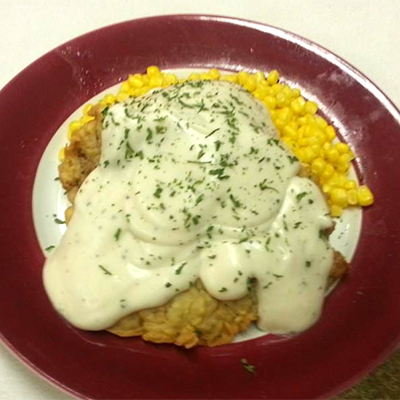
<point x="300" y="196"/>
<point x="106" y="271"/>
<point x="248" y="367"/>
<point x="117" y="234"/>
<point x="179" y="269"/>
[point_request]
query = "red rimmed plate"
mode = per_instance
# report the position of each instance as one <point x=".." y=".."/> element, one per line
<point x="361" y="320"/>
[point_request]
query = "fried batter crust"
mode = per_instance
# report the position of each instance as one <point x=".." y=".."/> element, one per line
<point x="191" y="318"/>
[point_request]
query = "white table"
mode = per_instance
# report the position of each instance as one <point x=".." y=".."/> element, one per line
<point x="364" y="32"/>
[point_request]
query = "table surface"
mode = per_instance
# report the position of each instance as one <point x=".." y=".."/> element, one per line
<point x="364" y="32"/>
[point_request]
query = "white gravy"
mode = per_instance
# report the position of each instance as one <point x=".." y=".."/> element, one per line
<point x="193" y="183"/>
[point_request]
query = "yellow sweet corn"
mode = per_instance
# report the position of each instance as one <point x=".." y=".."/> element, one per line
<point x="338" y="197"/>
<point x="214" y="74"/>
<point x="87" y="108"/>
<point x="270" y="102"/>
<point x="153" y="71"/>
<point x="273" y="77"/>
<point x="336" y="211"/>
<point x="310" y="108"/>
<point x="365" y="196"/>
<point x="61" y="154"/>
<point x="305" y="132"/>
<point x="352" y="197"/>
<point x="318" y="165"/>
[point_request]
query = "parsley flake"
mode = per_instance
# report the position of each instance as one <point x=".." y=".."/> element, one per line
<point x="117" y="234"/>
<point x="248" y="367"/>
<point x="300" y="196"/>
<point x="106" y="271"/>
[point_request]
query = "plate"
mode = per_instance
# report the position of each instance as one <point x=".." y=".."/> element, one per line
<point x="361" y="320"/>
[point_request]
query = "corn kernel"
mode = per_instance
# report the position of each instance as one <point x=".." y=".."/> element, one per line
<point x="269" y="91"/>
<point x="326" y="188"/>
<point x="289" y="142"/>
<point x="250" y="84"/>
<point x="214" y="73"/>
<point x="330" y="132"/>
<point x="143" y="90"/>
<point x="194" y="76"/>
<point x="350" y="185"/>
<point x="242" y="77"/>
<point x="270" y="102"/>
<point x="125" y="87"/>
<point x="87" y="108"/>
<point x="285" y="114"/>
<point x="352" y="197"/>
<point x="287" y="91"/>
<point x="306" y="131"/>
<point x="316" y="150"/>
<point x="259" y="93"/>
<point x="205" y="76"/>
<point x="344" y="159"/>
<point x="86" y="118"/>
<point x="281" y="99"/>
<point x="135" y="81"/>
<point x="296" y="93"/>
<point x="170" y="79"/>
<point x="122" y="97"/>
<point x="309" y="155"/>
<point x="326" y="146"/>
<point x="336" y="211"/>
<point x="263" y="85"/>
<point x="74" y="126"/>
<point x="365" y="196"/>
<point x="315" y="140"/>
<point x="61" y="154"/>
<point x="277" y="88"/>
<point x="303" y="142"/>
<point x="109" y="99"/>
<point x="133" y="92"/>
<point x="290" y="132"/>
<point x="273" y="77"/>
<point x="302" y="121"/>
<point x="153" y="71"/>
<point x="328" y="171"/>
<point x="343" y="168"/>
<point x="320" y="122"/>
<point x="310" y="108"/>
<point x="297" y="105"/>
<point x="279" y="123"/>
<point x="339" y="197"/>
<point x="318" y="165"/>
<point x="229" y="78"/>
<point x="294" y="124"/>
<point x="338" y="180"/>
<point x="332" y="155"/>
<point x="259" y="76"/>
<point x="342" y="148"/>
<point x="155" y="81"/>
<point x="342" y="179"/>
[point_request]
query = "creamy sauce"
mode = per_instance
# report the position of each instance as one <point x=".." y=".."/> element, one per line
<point x="192" y="183"/>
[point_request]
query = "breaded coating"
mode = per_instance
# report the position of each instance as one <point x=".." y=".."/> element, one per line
<point x="191" y="318"/>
